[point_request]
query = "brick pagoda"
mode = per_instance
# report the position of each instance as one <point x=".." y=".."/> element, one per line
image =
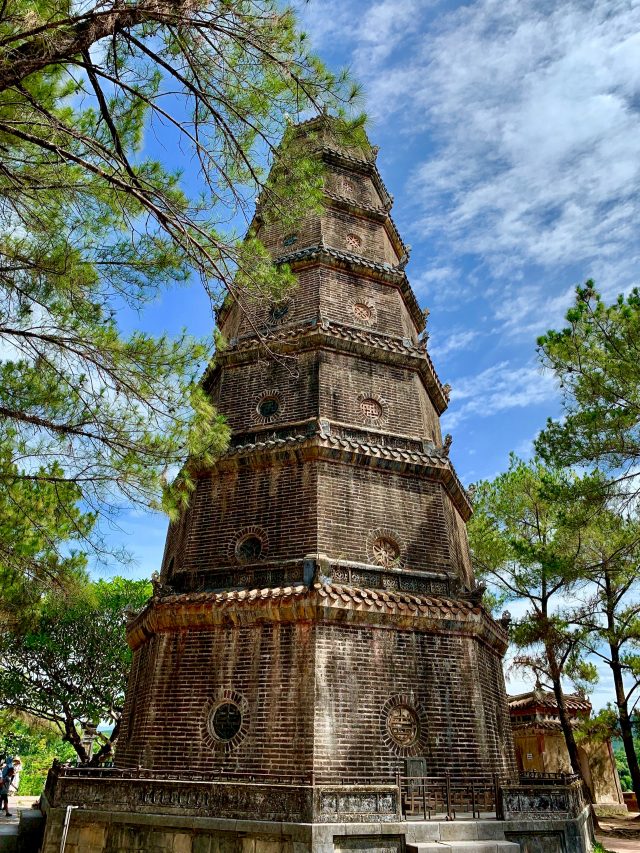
<point x="315" y="633"/>
<point x="316" y="612"/>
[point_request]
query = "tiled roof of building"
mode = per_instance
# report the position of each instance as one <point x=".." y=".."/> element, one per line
<point x="540" y="725"/>
<point x="169" y="610"/>
<point x="547" y="700"/>
<point x="313" y="252"/>
<point x="334" y="593"/>
<point x="390" y="343"/>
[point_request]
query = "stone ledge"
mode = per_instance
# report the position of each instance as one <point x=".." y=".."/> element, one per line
<point x="322" y="603"/>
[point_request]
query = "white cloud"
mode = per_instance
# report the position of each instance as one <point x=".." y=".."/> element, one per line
<point x="527" y="311"/>
<point x="535" y="109"/>
<point x="528" y="112"/>
<point x="452" y="343"/>
<point x="497" y="389"/>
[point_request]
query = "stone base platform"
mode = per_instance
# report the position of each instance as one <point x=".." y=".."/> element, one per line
<point x="93" y="831"/>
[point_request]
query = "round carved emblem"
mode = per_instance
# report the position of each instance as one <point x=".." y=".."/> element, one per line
<point x="278" y="312"/>
<point x="290" y="240"/>
<point x="353" y="242"/>
<point x="225" y="721"/>
<point x="248" y="545"/>
<point x="348" y="187"/>
<point x="249" y="548"/>
<point x="403" y="725"/>
<point x="371" y="408"/>
<point x="386" y="549"/>
<point x="269" y="406"/>
<point x="362" y="312"/>
<point x="386" y="552"/>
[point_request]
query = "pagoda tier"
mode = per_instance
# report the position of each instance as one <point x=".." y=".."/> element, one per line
<point x="316" y="611"/>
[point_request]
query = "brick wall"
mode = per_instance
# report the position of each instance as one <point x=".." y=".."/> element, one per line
<point x="280" y="500"/>
<point x="242" y="386"/>
<point x="333" y="294"/>
<point x="321" y="506"/>
<point x="357" y="501"/>
<point x="349" y="184"/>
<point x="359" y="669"/>
<point x="375" y="244"/>
<point x="315" y="699"/>
<point x="271" y="666"/>
<point x="340" y="291"/>
<point x="406" y="405"/>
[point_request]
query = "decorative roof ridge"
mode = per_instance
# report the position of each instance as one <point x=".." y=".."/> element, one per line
<point x="548" y="725"/>
<point x="397" y="343"/>
<point x="320" y="248"/>
<point x="170" y="611"/>
<point x="328" y="440"/>
<point x="411" y="600"/>
<point x="547" y="699"/>
<point x="396" y="595"/>
<point x="359" y="205"/>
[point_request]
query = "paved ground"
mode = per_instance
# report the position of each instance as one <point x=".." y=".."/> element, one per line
<point x="15" y="805"/>
<point x="620" y="835"/>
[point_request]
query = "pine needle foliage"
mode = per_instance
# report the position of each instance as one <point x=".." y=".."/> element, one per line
<point x="92" y="418"/>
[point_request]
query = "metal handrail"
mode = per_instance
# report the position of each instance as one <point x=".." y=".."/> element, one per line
<point x="454" y="794"/>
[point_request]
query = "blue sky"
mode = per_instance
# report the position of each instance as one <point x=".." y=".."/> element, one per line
<point x="509" y="134"/>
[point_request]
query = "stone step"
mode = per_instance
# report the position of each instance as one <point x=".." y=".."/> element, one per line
<point x="8" y="837"/>
<point x="470" y="846"/>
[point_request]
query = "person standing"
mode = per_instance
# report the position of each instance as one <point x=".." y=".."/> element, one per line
<point x="8" y="774"/>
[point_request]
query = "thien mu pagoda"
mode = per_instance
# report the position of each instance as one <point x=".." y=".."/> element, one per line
<point x="316" y="670"/>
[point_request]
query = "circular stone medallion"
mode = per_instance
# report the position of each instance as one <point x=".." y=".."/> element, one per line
<point x="386" y="552"/>
<point x="249" y="549"/>
<point x="362" y="312"/>
<point x="371" y="408"/>
<point x="353" y="242"/>
<point x="225" y="722"/>
<point x="268" y="407"/>
<point x="403" y="725"/>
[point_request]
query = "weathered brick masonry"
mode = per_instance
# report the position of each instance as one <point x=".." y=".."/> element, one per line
<point x="316" y="614"/>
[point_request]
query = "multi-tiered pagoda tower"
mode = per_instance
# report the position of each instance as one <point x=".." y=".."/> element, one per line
<point x="317" y="612"/>
<point x="316" y="631"/>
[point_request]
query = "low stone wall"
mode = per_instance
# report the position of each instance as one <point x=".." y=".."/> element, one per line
<point x="541" y="799"/>
<point x="548" y="816"/>
<point x="296" y="802"/>
<point x="356" y="803"/>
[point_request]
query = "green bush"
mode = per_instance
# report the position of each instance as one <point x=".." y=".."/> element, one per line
<point x="37" y="745"/>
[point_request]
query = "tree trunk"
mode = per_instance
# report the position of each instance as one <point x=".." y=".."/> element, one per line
<point x="60" y="43"/>
<point x="106" y="750"/>
<point x="572" y="747"/>
<point x="71" y="736"/>
<point x="626" y="731"/>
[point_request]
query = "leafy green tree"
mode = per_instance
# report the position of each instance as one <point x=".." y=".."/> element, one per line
<point x="609" y="615"/>
<point x="521" y="543"/>
<point x="596" y="359"/>
<point x="70" y="667"/>
<point x="90" y="223"/>
<point x="37" y="743"/>
<point x="37" y="518"/>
